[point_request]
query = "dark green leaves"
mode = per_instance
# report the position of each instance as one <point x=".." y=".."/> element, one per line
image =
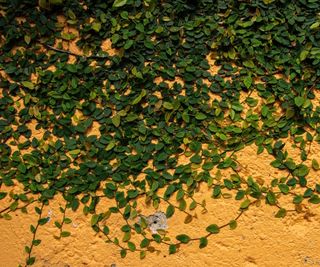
<point x="196" y="159"/>
<point x="284" y="188"/>
<point x="172" y="249"/>
<point x="281" y="213"/>
<point x="131" y="246"/>
<point x="170" y="211"/>
<point x="213" y="229"/>
<point x="142" y="111"/>
<point x="183" y="238"/>
<point x="203" y="242"/>
<point x="128" y="44"/>
<point x="3" y="195"/>
<point x="65" y="234"/>
<point x="271" y="198"/>
<point x="297" y="199"/>
<point x="43" y="221"/>
<point x="233" y="224"/>
<point x="302" y="170"/>
<point x="106" y="230"/>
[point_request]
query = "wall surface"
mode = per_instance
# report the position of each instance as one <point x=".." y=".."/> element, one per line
<point x="259" y="240"/>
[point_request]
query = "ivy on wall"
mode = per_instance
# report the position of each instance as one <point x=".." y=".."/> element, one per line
<point x="268" y="53"/>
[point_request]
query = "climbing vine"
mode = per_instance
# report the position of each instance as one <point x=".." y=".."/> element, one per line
<point x="115" y="122"/>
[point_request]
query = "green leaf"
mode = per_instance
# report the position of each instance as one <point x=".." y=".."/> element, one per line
<point x="315" y="25"/>
<point x="144" y="243"/>
<point x="233" y="224"/>
<point x="22" y="168"/>
<point x="314" y="199"/>
<point x="96" y="26"/>
<point x="200" y="116"/>
<point x="183" y="238"/>
<point x="245" y="204"/>
<point x="28" y="84"/>
<point x="170" y="211"/>
<point x="31" y="261"/>
<point x="123" y="253"/>
<point x="36" y="242"/>
<point x="247" y="81"/>
<point x="299" y="101"/>
<point x="208" y="166"/>
<point x="301" y="171"/>
<point x="142" y="254"/>
<point x="284" y="188"/>
<point x="27" y="39"/>
<point x="110" y="145"/>
<point x="106" y="230"/>
<point x="119" y="3"/>
<point x="203" y="242"/>
<point x="213" y="229"/>
<point x="131" y="246"/>
<point x="3" y="195"/>
<point x="128" y="44"/>
<point x="315" y="165"/>
<point x="65" y="234"/>
<point x="188" y="219"/>
<point x="172" y="249"/>
<point x="267" y="2"/>
<point x="167" y="105"/>
<point x="297" y="199"/>
<point x="27" y="249"/>
<point x="116" y="120"/>
<point x="95" y="219"/>
<point x="43" y="221"/>
<point x="271" y="198"/>
<point x="281" y="213"/>
<point x="180" y="194"/>
<point x="138" y="98"/>
<point x="304" y="54"/>
<point x="196" y="159"/>
<point x="193" y="205"/>
<point x="14" y="206"/>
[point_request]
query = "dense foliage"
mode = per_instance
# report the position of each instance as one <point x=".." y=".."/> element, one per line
<point x="155" y="100"/>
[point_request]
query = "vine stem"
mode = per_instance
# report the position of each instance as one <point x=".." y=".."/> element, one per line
<point x="63" y="217"/>
<point x="19" y="208"/>
<point x="34" y="235"/>
<point x="174" y="206"/>
<point x="71" y="53"/>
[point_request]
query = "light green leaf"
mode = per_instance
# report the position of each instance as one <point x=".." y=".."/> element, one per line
<point x="119" y="3"/>
<point x="303" y="55"/>
<point x="116" y="120"/>
<point x="299" y="101"/>
<point x="315" y="165"/>
<point x="247" y="81"/>
<point x="96" y="26"/>
<point x="28" y="84"/>
<point x="245" y="204"/>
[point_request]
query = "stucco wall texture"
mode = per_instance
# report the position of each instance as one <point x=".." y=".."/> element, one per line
<point x="259" y="240"/>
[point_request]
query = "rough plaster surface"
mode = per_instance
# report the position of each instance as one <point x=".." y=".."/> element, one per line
<point x="259" y="240"/>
